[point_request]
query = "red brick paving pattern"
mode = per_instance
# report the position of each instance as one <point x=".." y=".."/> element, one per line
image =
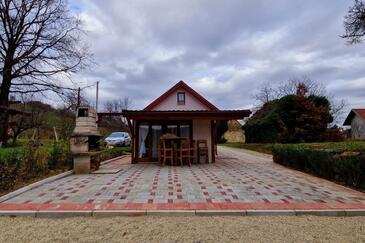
<point x="238" y="180"/>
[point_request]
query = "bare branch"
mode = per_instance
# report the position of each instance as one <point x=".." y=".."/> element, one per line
<point x="40" y="44"/>
<point x="355" y="23"/>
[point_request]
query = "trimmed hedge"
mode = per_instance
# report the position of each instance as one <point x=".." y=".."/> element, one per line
<point x="340" y="162"/>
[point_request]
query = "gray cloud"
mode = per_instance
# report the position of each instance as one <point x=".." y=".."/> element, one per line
<point x="223" y="49"/>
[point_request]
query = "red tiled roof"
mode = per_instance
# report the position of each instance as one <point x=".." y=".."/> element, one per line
<point x="359" y="112"/>
<point x="184" y="86"/>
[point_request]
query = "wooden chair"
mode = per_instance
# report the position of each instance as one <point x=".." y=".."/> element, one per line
<point x="165" y="153"/>
<point x="202" y="150"/>
<point x="160" y="151"/>
<point x="192" y="151"/>
<point x="184" y="151"/>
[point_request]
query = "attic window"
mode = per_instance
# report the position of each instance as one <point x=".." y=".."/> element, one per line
<point x="181" y="98"/>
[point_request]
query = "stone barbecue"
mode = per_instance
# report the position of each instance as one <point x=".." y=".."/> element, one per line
<point x="85" y="139"/>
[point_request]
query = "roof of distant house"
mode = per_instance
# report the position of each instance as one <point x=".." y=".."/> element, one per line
<point x="358" y="112"/>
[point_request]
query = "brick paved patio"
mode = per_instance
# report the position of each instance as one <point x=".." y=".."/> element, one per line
<point x="238" y="180"/>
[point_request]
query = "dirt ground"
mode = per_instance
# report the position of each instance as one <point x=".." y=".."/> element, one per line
<point x="184" y="229"/>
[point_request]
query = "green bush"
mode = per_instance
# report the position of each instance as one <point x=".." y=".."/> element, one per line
<point x="10" y="160"/>
<point x="35" y="161"/>
<point x="30" y="161"/>
<point x="113" y="152"/>
<point x="59" y="156"/>
<point x="292" y="118"/>
<point x="341" y="162"/>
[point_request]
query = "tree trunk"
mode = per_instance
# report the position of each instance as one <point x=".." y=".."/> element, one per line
<point x="4" y="101"/>
<point x="15" y="137"/>
<point x="4" y="118"/>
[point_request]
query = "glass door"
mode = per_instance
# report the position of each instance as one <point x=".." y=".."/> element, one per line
<point x="149" y="133"/>
<point x="156" y="133"/>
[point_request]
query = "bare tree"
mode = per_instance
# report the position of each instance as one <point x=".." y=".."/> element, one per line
<point x="337" y="109"/>
<point x="117" y="105"/>
<point x="21" y="123"/>
<point x="355" y="22"/>
<point x="73" y="98"/>
<point x="291" y="87"/>
<point x="40" y="41"/>
<point x="266" y="93"/>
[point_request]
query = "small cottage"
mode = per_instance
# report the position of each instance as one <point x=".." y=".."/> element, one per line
<point x="356" y="119"/>
<point x="180" y="111"/>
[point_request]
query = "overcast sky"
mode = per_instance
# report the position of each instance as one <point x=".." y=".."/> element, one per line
<point x="224" y="49"/>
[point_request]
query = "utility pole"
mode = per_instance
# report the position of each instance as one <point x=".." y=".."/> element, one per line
<point x="78" y="97"/>
<point x="97" y="96"/>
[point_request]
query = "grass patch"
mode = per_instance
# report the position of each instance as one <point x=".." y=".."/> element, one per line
<point x="265" y="148"/>
<point x="109" y="153"/>
<point x="336" y="147"/>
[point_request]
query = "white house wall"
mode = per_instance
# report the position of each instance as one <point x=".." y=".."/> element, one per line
<point x="358" y="128"/>
<point x="170" y="103"/>
<point x="201" y="130"/>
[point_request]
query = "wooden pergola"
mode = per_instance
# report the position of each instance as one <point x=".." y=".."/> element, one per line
<point x="213" y="116"/>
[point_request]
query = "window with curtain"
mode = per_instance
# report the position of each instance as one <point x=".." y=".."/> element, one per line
<point x="143" y="132"/>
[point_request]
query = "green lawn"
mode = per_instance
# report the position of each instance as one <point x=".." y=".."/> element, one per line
<point x="335" y="146"/>
<point x="265" y="148"/>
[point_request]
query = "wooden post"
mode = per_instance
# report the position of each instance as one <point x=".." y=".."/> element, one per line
<point x="133" y="135"/>
<point x="217" y="123"/>
<point x="55" y="133"/>
<point x="213" y="139"/>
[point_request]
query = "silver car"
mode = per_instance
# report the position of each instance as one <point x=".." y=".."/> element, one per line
<point x="118" y="139"/>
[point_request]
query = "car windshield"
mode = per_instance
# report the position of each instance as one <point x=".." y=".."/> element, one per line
<point x="117" y="135"/>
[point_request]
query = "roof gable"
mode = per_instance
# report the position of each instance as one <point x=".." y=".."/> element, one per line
<point x="358" y="112"/>
<point x="178" y="87"/>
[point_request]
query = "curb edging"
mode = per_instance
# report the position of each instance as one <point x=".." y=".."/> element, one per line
<point x="112" y="159"/>
<point x="178" y="213"/>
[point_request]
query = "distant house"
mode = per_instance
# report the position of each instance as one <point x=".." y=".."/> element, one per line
<point x="181" y="111"/>
<point x="356" y="119"/>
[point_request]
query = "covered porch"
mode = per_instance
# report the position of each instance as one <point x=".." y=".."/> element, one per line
<point x="148" y="126"/>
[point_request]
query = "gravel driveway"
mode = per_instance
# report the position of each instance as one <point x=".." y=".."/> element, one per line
<point x="184" y="229"/>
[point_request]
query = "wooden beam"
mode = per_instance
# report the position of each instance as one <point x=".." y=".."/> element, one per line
<point x="135" y="143"/>
<point x="186" y="115"/>
<point x="132" y="132"/>
<point x="217" y="123"/>
<point x="212" y="137"/>
<point x="130" y="127"/>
